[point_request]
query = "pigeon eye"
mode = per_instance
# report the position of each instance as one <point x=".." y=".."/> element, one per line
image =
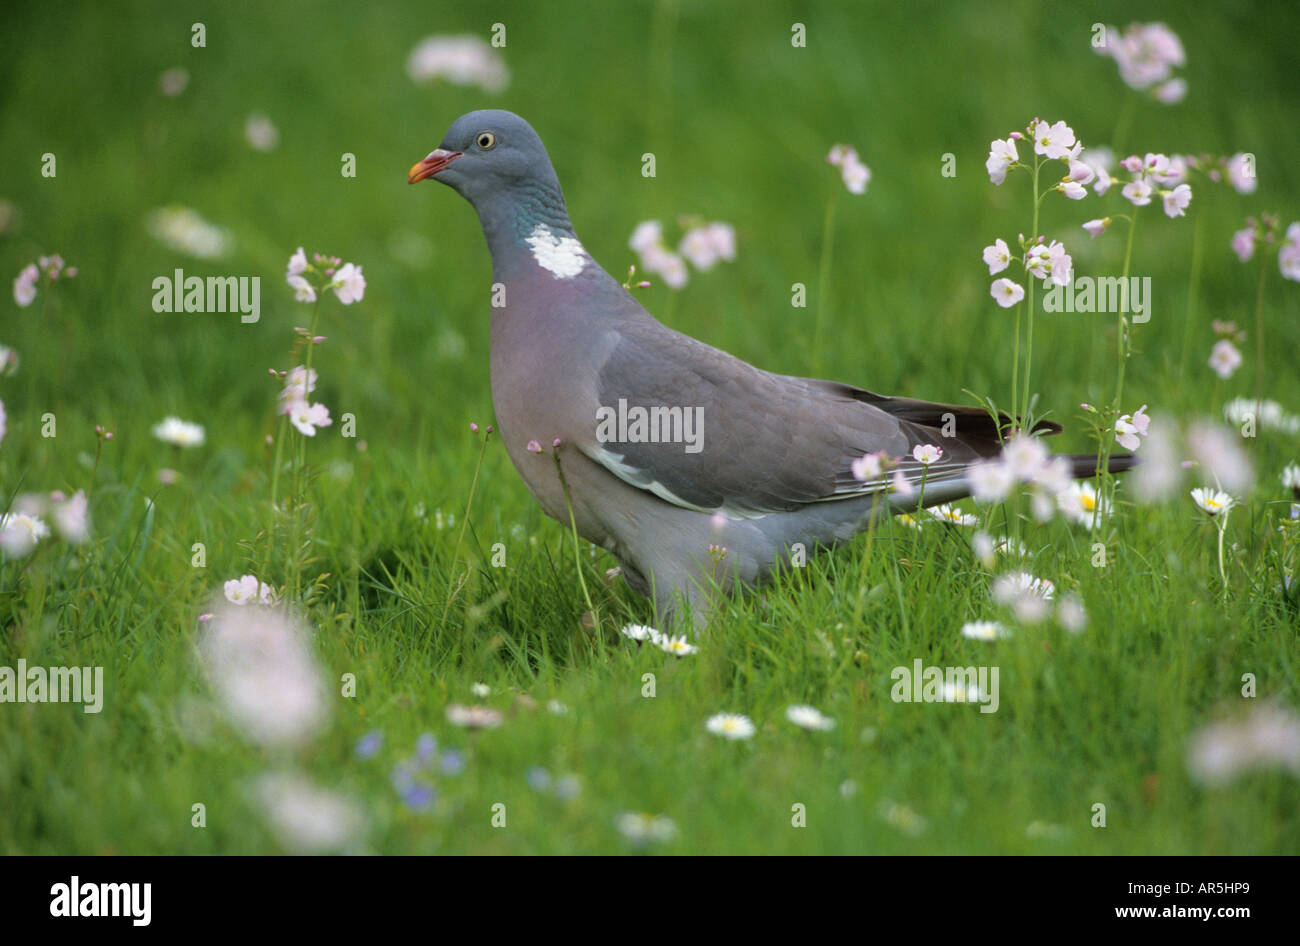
<point x="486" y="140"/>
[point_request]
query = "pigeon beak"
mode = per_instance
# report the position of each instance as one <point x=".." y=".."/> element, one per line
<point x="435" y="162"/>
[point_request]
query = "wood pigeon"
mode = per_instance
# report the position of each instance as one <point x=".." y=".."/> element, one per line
<point x="667" y="445"/>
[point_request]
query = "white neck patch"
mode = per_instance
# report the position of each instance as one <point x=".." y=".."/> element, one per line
<point x="563" y="257"/>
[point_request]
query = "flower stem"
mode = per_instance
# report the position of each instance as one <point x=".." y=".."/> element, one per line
<point x="1259" y="330"/>
<point x="1029" y="334"/>
<point x="823" y="280"/>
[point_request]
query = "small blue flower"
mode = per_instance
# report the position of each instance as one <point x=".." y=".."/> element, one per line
<point x="426" y="746"/>
<point x="368" y="745"/>
<point x="567" y="788"/>
<point x="453" y="762"/>
<point x="538" y="778"/>
<point x="402" y="777"/>
<point x="418" y="797"/>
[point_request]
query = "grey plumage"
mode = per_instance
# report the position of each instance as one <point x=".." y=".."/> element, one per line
<point x="773" y="468"/>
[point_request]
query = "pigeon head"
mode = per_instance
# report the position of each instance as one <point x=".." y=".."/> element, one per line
<point x="496" y="161"/>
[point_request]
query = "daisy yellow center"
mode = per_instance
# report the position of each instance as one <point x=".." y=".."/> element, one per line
<point x="1088" y="502"/>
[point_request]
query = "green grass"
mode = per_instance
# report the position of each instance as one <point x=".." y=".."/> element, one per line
<point x="740" y="123"/>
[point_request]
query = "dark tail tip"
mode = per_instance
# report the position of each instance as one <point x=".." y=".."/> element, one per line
<point x="1085" y="464"/>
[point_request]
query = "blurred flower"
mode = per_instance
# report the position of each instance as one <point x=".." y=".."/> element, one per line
<point x="302" y="289"/>
<point x="306" y="819"/>
<point x="25" y="285"/>
<point x="298" y="383"/>
<point x="473" y="717"/>
<point x="1243" y="243"/>
<point x="1097" y="227"/>
<point x="184" y="231"/>
<point x="242" y="591"/>
<point x="1026" y="595"/>
<point x="368" y="746"/>
<point x="179" y="433"/>
<point x="677" y="646"/>
<point x="807" y="717"/>
<point x="481" y="690"/>
<point x="1267" y="738"/>
<point x="1079" y="503"/>
<point x="991" y="481"/>
<point x="1224" y="358"/>
<point x="538" y="778"/>
<point x="453" y="760"/>
<point x="903" y="817"/>
<point x="261" y="133"/>
<point x="418" y="796"/>
<point x="1270" y="415"/>
<point x="260" y="664"/>
<point x="1219" y="456"/>
<point x="308" y="417"/>
<point x="640" y="828"/>
<point x="1176" y="200"/>
<point x="19" y="533"/>
<point x="1071" y="614"/>
<point x="654" y="255"/>
<point x="173" y="82"/>
<point x="461" y="60"/>
<point x="704" y="245"/>
<point x="869" y="466"/>
<point x="1146" y="54"/>
<point x="1138" y="193"/>
<point x="1171" y="92"/>
<point x="1241" y="173"/>
<point x="854" y="173"/>
<point x="953" y="516"/>
<point x="72" y="517"/>
<point x="1288" y="255"/>
<point x="1291" y="479"/>
<point x="984" y="630"/>
<point x="730" y="726"/>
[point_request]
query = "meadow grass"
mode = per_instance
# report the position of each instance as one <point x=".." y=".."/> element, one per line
<point x="740" y="123"/>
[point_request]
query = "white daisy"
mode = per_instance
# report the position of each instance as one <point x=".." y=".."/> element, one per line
<point x="984" y="630"/>
<point x="731" y="726"/>
<point x="1212" y="501"/>
<point x="807" y="717"/>
<point x="953" y="516"/>
<point x="677" y="646"/>
<point x="179" y="433"/>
